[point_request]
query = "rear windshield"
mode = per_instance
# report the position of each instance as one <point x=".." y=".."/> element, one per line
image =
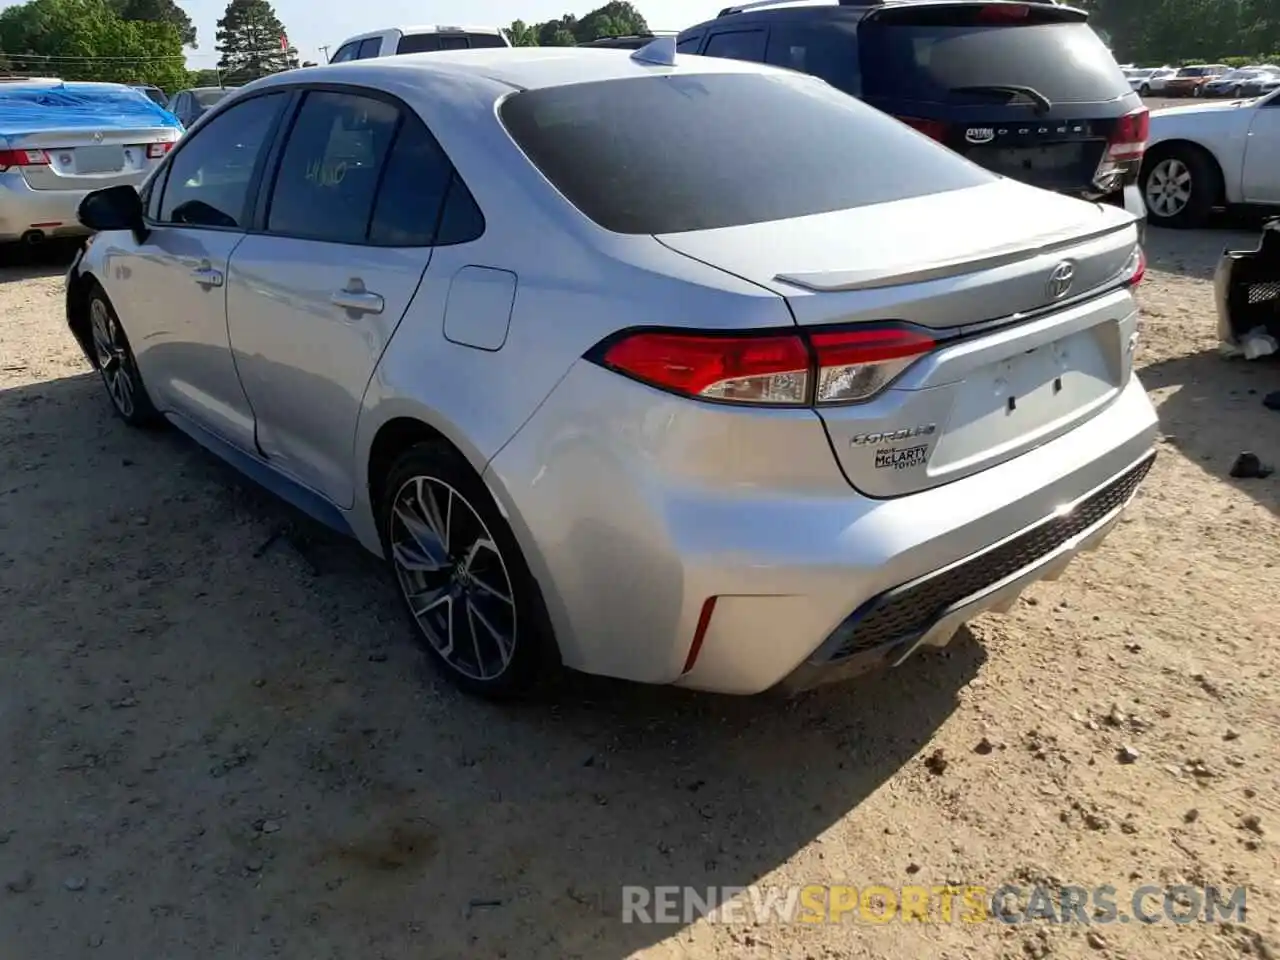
<point x="668" y="154"/>
<point x="1066" y="62"/>
<point x="1195" y="71"/>
<point x="431" y="42"/>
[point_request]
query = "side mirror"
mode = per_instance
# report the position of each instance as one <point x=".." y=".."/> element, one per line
<point x="113" y="208"/>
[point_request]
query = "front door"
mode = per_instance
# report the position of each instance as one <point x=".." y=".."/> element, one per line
<point x="172" y="287"/>
<point x="1262" y="154"/>
<point x="315" y="297"/>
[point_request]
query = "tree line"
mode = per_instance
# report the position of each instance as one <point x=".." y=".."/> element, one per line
<point x="1181" y="31"/>
<point x="139" y="41"/>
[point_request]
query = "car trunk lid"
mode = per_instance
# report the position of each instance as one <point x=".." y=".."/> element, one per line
<point x="79" y="159"/>
<point x="1024" y="352"/>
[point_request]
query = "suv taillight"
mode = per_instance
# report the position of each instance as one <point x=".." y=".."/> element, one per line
<point x="777" y="369"/>
<point x="930" y="128"/>
<point x="1123" y="157"/>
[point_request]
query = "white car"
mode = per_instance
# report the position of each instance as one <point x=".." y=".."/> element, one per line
<point x="1211" y="155"/>
<point x="1149" y="81"/>
<point x="393" y="41"/>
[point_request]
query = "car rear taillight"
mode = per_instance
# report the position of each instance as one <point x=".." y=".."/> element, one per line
<point x="856" y="364"/>
<point x="1128" y="141"/>
<point x="778" y="369"/>
<point x="157" y="150"/>
<point x="930" y="128"/>
<point x="23" y="158"/>
<point x="746" y="368"/>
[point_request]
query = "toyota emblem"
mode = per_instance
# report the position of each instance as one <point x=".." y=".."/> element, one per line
<point x="1060" y="280"/>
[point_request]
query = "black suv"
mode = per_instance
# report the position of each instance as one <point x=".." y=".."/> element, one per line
<point x="1027" y="90"/>
<point x="630" y="42"/>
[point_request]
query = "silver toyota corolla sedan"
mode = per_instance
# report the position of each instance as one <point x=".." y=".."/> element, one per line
<point x="688" y="371"/>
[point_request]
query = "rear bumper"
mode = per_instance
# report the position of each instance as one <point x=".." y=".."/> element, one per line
<point x="628" y="551"/>
<point x="53" y="213"/>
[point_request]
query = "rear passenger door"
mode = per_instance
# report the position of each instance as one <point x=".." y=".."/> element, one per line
<point x="742" y="44"/>
<point x="345" y="230"/>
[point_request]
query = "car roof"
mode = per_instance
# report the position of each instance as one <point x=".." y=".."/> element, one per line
<point x="520" y="68"/>
<point x="783" y="10"/>
<point x="424" y="28"/>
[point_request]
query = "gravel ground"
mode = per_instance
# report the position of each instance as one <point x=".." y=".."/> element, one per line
<point x="217" y="738"/>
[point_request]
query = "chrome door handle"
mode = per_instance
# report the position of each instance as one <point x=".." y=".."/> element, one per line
<point x="207" y="277"/>
<point x="356" y="299"/>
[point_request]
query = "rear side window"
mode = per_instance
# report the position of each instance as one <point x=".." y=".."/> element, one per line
<point x="944" y="62"/>
<point x="328" y="172"/>
<point x="668" y="154"/>
<point x="737" y="45"/>
<point x="369" y="48"/>
<point x="413" y="190"/>
<point x="829" y="51"/>
<point x="431" y="42"/>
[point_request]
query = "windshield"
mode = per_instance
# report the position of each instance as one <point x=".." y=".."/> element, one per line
<point x="668" y="154"/>
<point x="1066" y="62"/>
<point x="207" y="98"/>
<point x="1194" y="72"/>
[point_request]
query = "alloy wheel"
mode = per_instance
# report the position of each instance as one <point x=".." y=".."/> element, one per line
<point x="1169" y="187"/>
<point x="454" y="578"/>
<point x="114" y="361"/>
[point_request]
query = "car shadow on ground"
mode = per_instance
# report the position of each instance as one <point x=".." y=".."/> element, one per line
<point x="1195" y="253"/>
<point x="19" y="261"/>
<point x="276" y="682"/>
<point x="1215" y="412"/>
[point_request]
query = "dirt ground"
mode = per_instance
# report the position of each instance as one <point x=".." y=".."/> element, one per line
<point x="218" y="742"/>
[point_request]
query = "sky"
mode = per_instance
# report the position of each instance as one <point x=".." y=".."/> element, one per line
<point x="313" y="23"/>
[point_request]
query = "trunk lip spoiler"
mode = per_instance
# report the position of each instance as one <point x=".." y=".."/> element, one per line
<point x="837" y="281"/>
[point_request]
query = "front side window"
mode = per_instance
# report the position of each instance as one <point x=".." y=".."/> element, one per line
<point x="737" y="45"/>
<point x="211" y="173"/>
<point x="667" y="154"/>
<point x="328" y="174"/>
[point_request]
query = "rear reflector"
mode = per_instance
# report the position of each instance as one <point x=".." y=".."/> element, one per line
<point x="788" y="369"/>
<point x="1136" y="268"/>
<point x="23" y="158"/>
<point x="157" y="150"/>
<point x="699" y="634"/>
<point x="930" y="128"/>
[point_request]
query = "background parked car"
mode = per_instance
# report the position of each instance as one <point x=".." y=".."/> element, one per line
<point x="631" y="42"/>
<point x="1148" y="81"/>
<point x="155" y="93"/>
<point x="58" y="141"/>
<point x="190" y="105"/>
<point x="1029" y="91"/>
<point x="1231" y="83"/>
<point x="1261" y="83"/>
<point x="1189" y="81"/>
<point x="393" y="41"/>
<point x="1211" y="155"/>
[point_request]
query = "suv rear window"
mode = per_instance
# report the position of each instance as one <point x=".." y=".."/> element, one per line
<point x="432" y="42"/>
<point x="1066" y="62"/>
<point x="669" y="154"/>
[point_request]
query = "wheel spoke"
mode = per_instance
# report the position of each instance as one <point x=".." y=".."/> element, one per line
<point x="500" y="639"/>
<point x="431" y="513"/>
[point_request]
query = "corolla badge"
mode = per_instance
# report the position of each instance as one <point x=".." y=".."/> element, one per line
<point x="980" y="134"/>
<point x="1060" y="280"/>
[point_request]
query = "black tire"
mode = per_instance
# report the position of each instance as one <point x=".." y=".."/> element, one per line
<point x="532" y="660"/>
<point x="114" y="360"/>
<point x="1206" y="186"/>
<point x="1145" y="91"/>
